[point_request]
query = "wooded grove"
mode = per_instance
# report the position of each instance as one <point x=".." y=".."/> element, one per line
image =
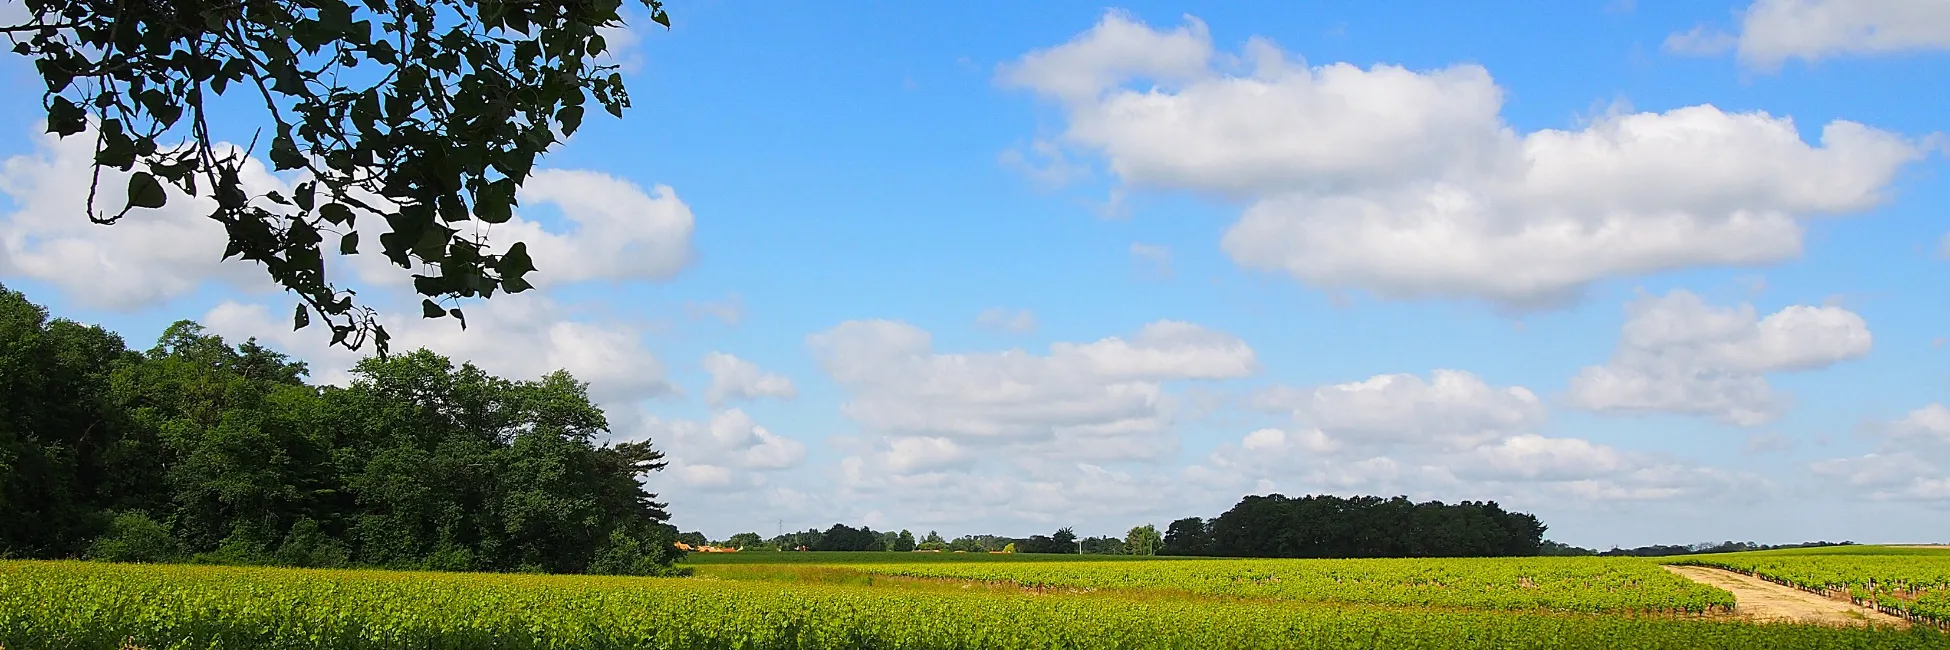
<point x="198" y="449"/>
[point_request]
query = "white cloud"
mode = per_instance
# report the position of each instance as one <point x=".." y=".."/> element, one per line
<point x="728" y="450"/>
<point x="1456" y="408"/>
<point x="733" y="378"/>
<point x="153" y="256"/>
<point x="1759" y="443"/>
<point x="1453" y="436"/>
<point x="620" y="233"/>
<point x="1409" y="184"/>
<point x="1773" y="31"/>
<point x="1114" y="50"/>
<point x="1701" y="40"/>
<point x="149" y="257"/>
<point x="1044" y="163"/>
<point x="518" y="336"/>
<point x="1109" y="388"/>
<point x="1154" y="259"/>
<point x="1927" y="425"/>
<point x="1676" y="354"/>
<point x="730" y="310"/>
<point x="1908" y="464"/>
<point x="1532" y="457"/>
<point x="1019" y="321"/>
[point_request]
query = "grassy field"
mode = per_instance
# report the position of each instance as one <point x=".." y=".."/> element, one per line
<point x="805" y="600"/>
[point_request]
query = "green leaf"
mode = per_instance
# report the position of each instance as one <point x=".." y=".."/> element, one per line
<point x="301" y="318"/>
<point x="349" y="244"/>
<point x="284" y="152"/>
<point x="455" y="312"/>
<point x="431" y="309"/>
<point x="571" y="119"/>
<point x="495" y="202"/>
<point x="516" y="262"/>
<point x="335" y="213"/>
<point x="145" y="192"/>
<point x="64" y="118"/>
<point x="305" y="194"/>
<point x="427" y="285"/>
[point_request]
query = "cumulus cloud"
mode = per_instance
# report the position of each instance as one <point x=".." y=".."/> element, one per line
<point x="519" y="336"/>
<point x="733" y="378"/>
<point x="1014" y="435"/>
<point x="149" y="257"/>
<point x="1929" y="425"/>
<point x="1409" y="183"/>
<point x="1110" y="387"/>
<point x="619" y="232"/>
<point x="1450" y="436"/>
<point x="1453" y="408"/>
<point x="1017" y="321"/>
<point x="728" y="450"/>
<point x="612" y="231"/>
<point x="1908" y="463"/>
<point x="1890" y="476"/>
<point x="1774" y="31"/>
<point x="1676" y="354"/>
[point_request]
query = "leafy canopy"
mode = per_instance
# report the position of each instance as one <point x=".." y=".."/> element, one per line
<point x="426" y="113"/>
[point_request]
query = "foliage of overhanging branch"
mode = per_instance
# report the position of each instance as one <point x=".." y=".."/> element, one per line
<point x="426" y="113"/>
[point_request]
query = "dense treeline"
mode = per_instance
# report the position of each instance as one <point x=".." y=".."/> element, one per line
<point x="1704" y="548"/>
<point x="1259" y="526"/>
<point x="200" y="450"/>
<point x="1330" y="526"/>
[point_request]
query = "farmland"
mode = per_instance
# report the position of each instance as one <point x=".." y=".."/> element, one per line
<point x="1617" y="585"/>
<point x="805" y="600"/>
<point x="1913" y="582"/>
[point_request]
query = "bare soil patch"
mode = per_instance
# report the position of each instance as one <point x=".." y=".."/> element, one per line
<point x="1763" y="601"/>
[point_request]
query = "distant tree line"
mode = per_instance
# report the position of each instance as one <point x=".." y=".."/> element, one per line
<point x="1703" y="548"/>
<point x="200" y="450"/>
<point x="1328" y="526"/>
<point x="1259" y="526"/>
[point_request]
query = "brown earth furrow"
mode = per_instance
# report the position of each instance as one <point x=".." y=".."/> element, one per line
<point x="1764" y="601"/>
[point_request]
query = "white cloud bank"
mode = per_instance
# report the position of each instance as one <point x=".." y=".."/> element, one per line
<point x="1676" y="354"/>
<point x="1911" y="461"/>
<point x="610" y="229"/>
<point x="1450" y="436"/>
<point x="1774" y="31"/>
<point x="1409" y="183"/>
<point x="733" y="378"/>
<point x="518" y="336"/>
<point x="1110" y="387"/>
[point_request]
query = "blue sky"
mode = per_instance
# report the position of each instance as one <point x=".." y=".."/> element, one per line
<point x="1660" y="272"/>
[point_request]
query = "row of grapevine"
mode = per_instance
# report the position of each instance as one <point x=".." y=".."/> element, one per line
<point x="1550" y="583"/>
<point x="1912" y="585"/>
<point x="90" y="606"/>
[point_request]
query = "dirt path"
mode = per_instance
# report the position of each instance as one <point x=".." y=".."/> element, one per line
<point x="1765" y="601"/>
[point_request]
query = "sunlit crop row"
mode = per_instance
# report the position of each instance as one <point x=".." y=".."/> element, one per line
<point x="1566" y="584"/>
<point x="100" y="606"/>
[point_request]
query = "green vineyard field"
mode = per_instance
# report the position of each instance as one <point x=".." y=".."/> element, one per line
<point x="77" y="605"/>
<point x="1566" y="584"/>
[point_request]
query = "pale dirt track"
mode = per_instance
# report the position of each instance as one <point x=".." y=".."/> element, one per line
<point x="1764" y="601"/>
